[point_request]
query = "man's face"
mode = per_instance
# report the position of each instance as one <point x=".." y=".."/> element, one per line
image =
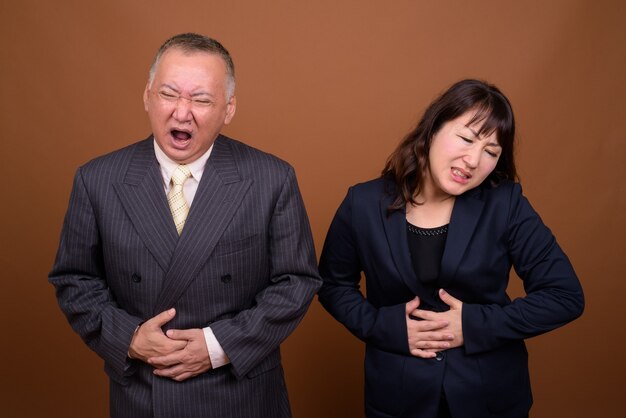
<point x="186" y="103"/>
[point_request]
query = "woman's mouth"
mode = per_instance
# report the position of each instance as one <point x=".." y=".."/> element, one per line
<point x="460" y="175"/>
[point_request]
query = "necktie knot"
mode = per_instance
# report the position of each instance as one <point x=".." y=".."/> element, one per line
<point x="181" y="174"/>
<point x="176" y="197"/>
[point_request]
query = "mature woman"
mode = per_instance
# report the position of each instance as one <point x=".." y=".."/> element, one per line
<point x="436" y="236"/>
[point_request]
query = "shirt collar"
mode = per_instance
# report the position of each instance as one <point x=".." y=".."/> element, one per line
<point x="168" y="165"/>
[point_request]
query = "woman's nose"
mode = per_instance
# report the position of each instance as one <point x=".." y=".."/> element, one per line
<point x="472" y="157"/>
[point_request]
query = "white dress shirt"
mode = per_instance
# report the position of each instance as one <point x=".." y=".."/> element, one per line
<point x="216" y="352"/>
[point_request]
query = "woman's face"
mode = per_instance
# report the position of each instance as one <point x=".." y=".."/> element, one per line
<point x="459" y="159"/>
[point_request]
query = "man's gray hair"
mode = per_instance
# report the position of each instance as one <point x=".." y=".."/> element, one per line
<point x="193" y="42"/>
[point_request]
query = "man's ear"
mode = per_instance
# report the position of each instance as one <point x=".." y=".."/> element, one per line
<point x="231" y="108"/>
<point x="145" y="96"/>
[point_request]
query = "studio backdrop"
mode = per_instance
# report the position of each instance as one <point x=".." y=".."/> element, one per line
<point x="331" y="86"/>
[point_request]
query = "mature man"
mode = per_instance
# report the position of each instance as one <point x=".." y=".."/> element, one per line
<point x="186" y="258"/>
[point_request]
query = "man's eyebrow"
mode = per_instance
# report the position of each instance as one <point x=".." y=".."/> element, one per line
<point x="169" y="87"/>
<point x="202" y="93"/>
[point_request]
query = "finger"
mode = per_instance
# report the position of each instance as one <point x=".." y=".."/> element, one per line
<point x="434" y="336"/>
<point x="434" y="350"/>
<point x="183" y="376"/>
<point x="417" y="352"/>
<point x="431" y="344"/>
<point x="425" y="326"/>
<point x="412" y="304"/>
<point x="170" y="372"/>
<point x="428" y="315"/>
<point x="162" y="346"/>
<point x="162" y="318"/>
<point x="448" y="299"/>
<point x="177" y="345"/>
<point x="178" y="372"/>
<point x="422" y="314"/>
<point x="169" y="360"/>
<point x="182" y="334"/>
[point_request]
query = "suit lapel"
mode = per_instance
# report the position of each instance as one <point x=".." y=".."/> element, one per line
<point x="143" y="197"/>
<point x="395" y="232"/>
<point x="465" y="216"/>
<point x="219" y="194"/>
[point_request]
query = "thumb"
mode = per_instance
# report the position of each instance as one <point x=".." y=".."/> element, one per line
<point x="412" y="305"/>
<point x="164" y="317"/>
<point x="449" y="300"/>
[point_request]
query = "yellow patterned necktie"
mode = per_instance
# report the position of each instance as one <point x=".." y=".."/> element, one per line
<point x="176" y="198"/>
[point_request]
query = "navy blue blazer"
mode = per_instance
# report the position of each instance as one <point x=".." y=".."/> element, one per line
<point x="491" y="229"/>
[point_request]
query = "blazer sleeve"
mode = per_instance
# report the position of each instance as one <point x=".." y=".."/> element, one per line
<point x="252" y="334"/>
<point x="340" y="267"/>
<point x="79" y="278"/>
<point x="554" y="295"/>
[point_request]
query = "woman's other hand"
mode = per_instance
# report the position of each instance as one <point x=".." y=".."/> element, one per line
<point x="453" y="317"/>
<point x="428" y="334"/>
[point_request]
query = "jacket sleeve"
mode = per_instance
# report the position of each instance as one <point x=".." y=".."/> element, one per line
<point x="252" y="334"/>
<point x="79" y="278"/>
<point x="340" y="267"/>
<point x="554" y="295"/>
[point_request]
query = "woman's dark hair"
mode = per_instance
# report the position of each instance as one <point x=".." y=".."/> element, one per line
<point x="407" y="164"/>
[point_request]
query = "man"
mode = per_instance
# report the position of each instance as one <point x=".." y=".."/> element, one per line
<point x="187" y="258"/>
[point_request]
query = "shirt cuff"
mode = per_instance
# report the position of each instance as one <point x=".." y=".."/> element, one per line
<point x="216" y="352"/>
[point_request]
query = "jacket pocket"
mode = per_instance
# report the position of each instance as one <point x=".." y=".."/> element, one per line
<point x="229" y="246"/>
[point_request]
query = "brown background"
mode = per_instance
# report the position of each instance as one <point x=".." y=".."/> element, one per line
<point x="331" y="86"/>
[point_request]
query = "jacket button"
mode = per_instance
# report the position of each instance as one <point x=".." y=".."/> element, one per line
<point x="440" y="356"/>
<point x="226" y="278"/>
<point x="136" y="278"/>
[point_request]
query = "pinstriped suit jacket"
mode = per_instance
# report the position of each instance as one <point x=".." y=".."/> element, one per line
<point x="244" y="264"/>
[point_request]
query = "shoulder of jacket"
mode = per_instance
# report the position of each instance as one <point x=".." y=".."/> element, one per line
<point x="248" y="154"/>
<point x="115" y="161"/>
<point x="375" y="186"/>
<point x="504" y="190"/>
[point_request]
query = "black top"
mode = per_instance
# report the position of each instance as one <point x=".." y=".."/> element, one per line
<point x="426" y="247"/>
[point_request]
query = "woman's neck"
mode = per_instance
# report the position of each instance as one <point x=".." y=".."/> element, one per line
<point x="433" y="209"/>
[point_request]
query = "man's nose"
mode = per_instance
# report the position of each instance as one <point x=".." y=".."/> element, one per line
<point x="182" y="111"/>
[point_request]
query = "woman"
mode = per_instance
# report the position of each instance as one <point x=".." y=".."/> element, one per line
<point x="447" y="214"/>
